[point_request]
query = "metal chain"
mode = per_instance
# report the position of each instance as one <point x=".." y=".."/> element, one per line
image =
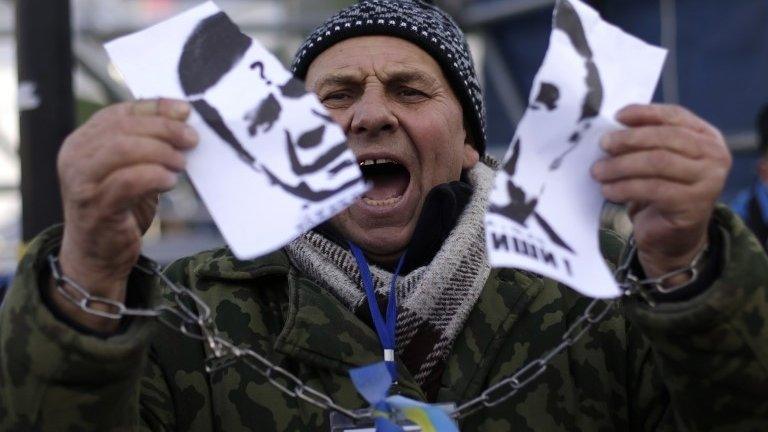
<point x="509" y="386"/>
<point x="646" y="287"/>
<point x="197" y="323"/>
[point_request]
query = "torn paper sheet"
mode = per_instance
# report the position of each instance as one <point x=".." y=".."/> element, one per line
<point x="271" y="163"/>
<point x="545" y="207"/>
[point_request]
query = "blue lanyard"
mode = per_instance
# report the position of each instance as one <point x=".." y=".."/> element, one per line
<point x="385" y="329"/>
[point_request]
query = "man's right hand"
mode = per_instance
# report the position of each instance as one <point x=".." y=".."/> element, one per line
<point x="111" y="171"/>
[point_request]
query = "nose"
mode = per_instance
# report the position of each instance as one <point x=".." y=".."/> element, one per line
<point x="372" y="115"/>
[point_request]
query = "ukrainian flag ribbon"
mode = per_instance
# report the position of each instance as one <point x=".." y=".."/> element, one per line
<point x="373" y="383"/>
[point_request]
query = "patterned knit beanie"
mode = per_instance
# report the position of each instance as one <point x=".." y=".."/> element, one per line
<point x="419" y="22"/>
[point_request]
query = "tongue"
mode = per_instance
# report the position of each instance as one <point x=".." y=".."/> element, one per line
<point x="387" y="186"/>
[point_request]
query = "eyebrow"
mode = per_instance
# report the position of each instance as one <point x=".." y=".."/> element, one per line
<point x="336" y="79"/>
<point x="398" y="77"/>
<point x="413" y="76"/>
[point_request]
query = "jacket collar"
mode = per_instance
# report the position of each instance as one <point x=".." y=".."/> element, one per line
<point x="319" y="330"/>
<point x="224" y="266"/>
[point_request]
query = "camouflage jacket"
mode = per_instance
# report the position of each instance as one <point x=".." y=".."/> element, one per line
<point x="700" y="364"/>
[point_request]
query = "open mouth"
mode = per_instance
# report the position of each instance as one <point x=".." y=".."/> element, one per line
<point x="390" y="181"/>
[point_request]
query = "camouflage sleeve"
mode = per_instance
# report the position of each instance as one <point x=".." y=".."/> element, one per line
<point x="53" y="377"/>
<point x="711" y="351"/>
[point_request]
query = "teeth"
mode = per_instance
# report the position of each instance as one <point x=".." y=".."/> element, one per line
<point x="382" y="203"/>
<point x="367" y="162"/>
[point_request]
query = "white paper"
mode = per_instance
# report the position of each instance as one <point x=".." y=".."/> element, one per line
<point x="545" y="207"/>
<point x="270" y="164"/>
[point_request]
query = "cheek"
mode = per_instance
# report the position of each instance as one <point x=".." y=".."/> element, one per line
<point x="342" y="117"/>
<point x="439" y="141"/>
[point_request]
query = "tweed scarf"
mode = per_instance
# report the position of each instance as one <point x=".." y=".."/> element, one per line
<point x="433" y="300"/>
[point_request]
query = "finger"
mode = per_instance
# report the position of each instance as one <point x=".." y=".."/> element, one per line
<point x="647" y="164"/>
<point x="174" y="132"/>
<point x="646" y="190"/>
<point x="633" y="208"/>
<point x="136" y="151"/>
<point x="661" y="114"/>
<point x="683" y="141"/>
<point x="123" y="187"/>
<point x="173" y="109"/>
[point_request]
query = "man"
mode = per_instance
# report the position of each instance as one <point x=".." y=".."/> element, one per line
<point x="393" y="75"/>
<point x="752" y="204"/>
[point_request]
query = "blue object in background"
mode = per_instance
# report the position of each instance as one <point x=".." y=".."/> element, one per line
<point x="742" y="175"/>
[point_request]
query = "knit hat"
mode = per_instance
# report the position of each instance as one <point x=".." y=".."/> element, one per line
<point x="419" y="22"/>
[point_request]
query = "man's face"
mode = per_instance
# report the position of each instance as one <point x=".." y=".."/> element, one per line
<point x="397" y="109"/>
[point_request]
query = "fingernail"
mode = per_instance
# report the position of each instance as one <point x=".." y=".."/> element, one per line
<point x="605" y="141"/>
<point x="596" y="169"/>
<point x="171" y="179"/>
<point x="180" y="109"/>
<point x="190" y="135"/>
<point x="620" y="113"/>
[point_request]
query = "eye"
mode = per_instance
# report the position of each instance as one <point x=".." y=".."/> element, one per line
<point x="336" y="96"/>
<point x="336" y="99"/>
<point x="410" y="93"/>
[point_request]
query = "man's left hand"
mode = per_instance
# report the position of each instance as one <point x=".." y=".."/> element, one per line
<point x="669" y="166"/>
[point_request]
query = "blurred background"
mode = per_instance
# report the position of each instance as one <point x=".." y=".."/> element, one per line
<point x="718" y="67"/>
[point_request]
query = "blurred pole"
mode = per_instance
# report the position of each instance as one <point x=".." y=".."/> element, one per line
<point x="46" y="106"/>
<point x="500" y="74"/>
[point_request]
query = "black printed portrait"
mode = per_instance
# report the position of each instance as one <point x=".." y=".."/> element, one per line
<point x="555" y="122"/>
<point x="215" y="57"/>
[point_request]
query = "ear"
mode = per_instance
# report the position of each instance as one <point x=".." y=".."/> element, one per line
<point x="470" y="156"/>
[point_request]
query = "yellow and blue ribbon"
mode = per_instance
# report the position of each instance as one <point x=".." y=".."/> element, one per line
<point x="373" y="383"/>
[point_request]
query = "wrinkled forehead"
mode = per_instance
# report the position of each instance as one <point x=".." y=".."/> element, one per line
<point x="386" y="57"/>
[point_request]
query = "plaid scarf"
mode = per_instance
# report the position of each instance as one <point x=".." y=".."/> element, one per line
<point x="434" y="300"/>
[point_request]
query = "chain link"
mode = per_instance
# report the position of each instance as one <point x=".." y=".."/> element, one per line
<point x="85" y="301"/>
<point x="511" y="385"/>
<point x="191" y="316"/>
<point x="645" y="288"/>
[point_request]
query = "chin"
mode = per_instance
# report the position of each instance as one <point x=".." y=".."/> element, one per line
<point x="382" y="221"/>
<point x="387" y="242"/>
